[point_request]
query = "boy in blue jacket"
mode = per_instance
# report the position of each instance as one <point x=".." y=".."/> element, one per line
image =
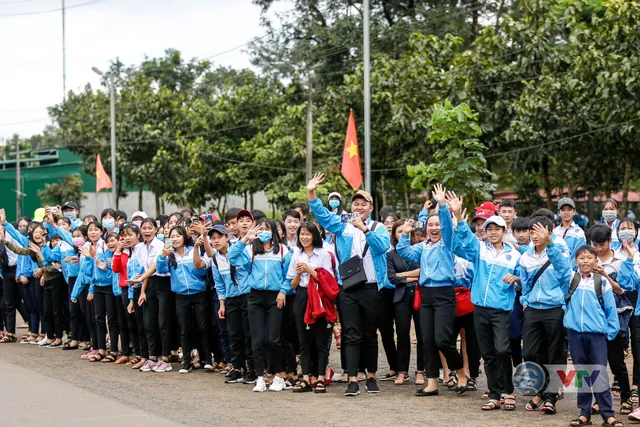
<point x="493" y="294"/>
<point x="522" y="234"/>
<point x="359" y="308"/>
<point x="590" y="323"/>
<point x="545" y="272"/>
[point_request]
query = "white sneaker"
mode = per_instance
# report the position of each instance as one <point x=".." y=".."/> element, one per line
<point x="44" y="342"/>
<point x="208" y="367"/>
<point x="65" y="338"/>
<point x="278" y="384"/>
<point x="260" y="385"/>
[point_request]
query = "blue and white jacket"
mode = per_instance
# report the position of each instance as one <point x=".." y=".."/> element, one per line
<point x="62" y="251"/>
<point x="629" y="278"/>
<point x="102" y="277"/>
<point x="186" y="279"/>
<point x="268" y="270"/>
<point x="87" y="268"/>
<point x="225" y="287"/>
<point x="573" y="236"/>
<point x="436" y="259"/>
<point x="350" y="239"/>
<point x="584" y="312"/>
<point x="615" y="241"/>
<point x="489" y="268"/>
<point x="464" y="272"/>
<point x="553" y="284"/>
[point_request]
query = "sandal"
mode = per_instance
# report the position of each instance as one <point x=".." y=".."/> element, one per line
<point x="615" y="389"/>
<point x="626" y="408"/>
<point x="580" y="421"/>
<point x="289" y="383"/>
<point x="595" y="409"/>
<point x="486" y="394"/>
<point x="614" y="423"/>
<point x="133" y="360"/>
<point x="140" y="364"/>
<point x="122" y="360"/>
<point x="472" y="384"/>
<point x="635" y="396"/>
<point x="97" y="357"/>
<point x="548" y="408"/>
<point x="419" y="381"/>
<point x="491" y="405"/>
<point x="338" y="340"/>
<point x="321" y="387"/>
<point x="452" y="382"/>
<point x="8" y="339"/>
<point x="532" y="405"/>
<point x="110" y="358"/>
<point x="302" y="387"/>
<point x="402" y="377"/>
<point x="510" y="402"/>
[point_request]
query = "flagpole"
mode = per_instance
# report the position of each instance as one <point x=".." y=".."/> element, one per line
<point x="367" y="99"/>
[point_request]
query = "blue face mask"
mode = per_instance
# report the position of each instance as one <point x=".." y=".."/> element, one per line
<point x="335" y="204"/>
<point x="265" y="236"/>
<point x="71" y="215"/>
<point x="108" y="223"/>
<point x="160" y="237"/>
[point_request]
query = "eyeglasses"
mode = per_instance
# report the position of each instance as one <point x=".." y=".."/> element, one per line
<point x="388" y="223"/>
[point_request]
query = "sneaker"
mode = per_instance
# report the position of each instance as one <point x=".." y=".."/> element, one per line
<point x="208" y="367"/>
<point x="635" y="415"/>
<point x="353" y="389"/>
<point x="249" y="378"/>
<point x="234" y="378"/>
<point x="372" y="386"/>
<point x="65" y="339"/>
<point x="278" y="384"/>
<point x="149" y="365"/>
<point x="44" y="342"/>
<point x="162" y="366"/>
<point x="260" y="385"/>
<point x="186" y="368"/>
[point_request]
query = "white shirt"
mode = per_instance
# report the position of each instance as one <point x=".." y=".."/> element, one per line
<point x="357" y="248"/>
<point x="12" y="256"/>
<point x="148" y="254"/>
<point x="320" y="258"/>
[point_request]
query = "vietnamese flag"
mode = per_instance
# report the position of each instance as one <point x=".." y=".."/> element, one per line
<point x="351" y="169"/>
<point x="102" y="179"/>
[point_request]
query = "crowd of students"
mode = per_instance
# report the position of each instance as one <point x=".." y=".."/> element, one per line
<point x="261" y="300"/>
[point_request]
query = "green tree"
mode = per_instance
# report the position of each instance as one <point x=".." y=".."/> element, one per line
<point x="67" y="188"/>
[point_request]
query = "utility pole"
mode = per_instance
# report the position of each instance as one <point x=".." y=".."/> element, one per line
<point x="18" y="183"/>
<point x="64" y="57"/>
<point x="310" y="132"/>
<point x="367" y="98"/>
<point x="114" y="186"/>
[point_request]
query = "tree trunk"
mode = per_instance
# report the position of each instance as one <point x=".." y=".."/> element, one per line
<point x="162" y="203"/>
<point x="245" y="200"/>
<point x="157" y="197"/>
<point x="546" y="181"/>
<point x="140" y="198"/>
<point x="499" y="15"/>
<point x="406" y="199"/>
<point x="118" y="193"/>
<point x="474" y="20"/>
<point x="384" y="191"/>
<point x="625" y="188"/>
<point x="251" y="200"/>
<point x="224" y="207"/>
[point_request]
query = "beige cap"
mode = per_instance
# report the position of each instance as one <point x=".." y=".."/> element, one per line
<point x="364" y="195"/>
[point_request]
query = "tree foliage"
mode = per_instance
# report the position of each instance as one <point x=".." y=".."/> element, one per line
<point x="67" y="188"/>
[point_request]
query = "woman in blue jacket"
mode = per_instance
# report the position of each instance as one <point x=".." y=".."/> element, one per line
<point x="269" y="260"/>
<point x="188" y="272"/>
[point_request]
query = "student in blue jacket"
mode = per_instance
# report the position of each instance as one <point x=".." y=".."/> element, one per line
<point x="188" y="270"/>
<point x="358" y="308"/>
<point x="611" y="220"/>
<point x="590" y="325"/>
<point x="569" y="230"/>
<point x="269" y="260"/>
<point x="493" y="294"/>
<point x="522" y="234"/>
<point x="233" y="294"/>
<point x="438" y="303"/>
<point x="543" y="304"/>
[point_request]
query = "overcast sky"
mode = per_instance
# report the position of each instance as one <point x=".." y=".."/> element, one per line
<point x="31" y="60"/>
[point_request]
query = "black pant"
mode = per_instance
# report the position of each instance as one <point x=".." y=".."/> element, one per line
<point x="314" y="339"/>
<point x="634" y="328"/>
<point x="385" y="325"/>
<point x="471" y="341"/>
<point x="543" y="341"/>
<point x="437" y="318"/>
<point x="188" y="308"/>
<point x="403" y="313"/>
<point x="54" y="299"/>
<point x="11" y="296"/>
<point x="104" y="303"/>
<point x="359" y="310"/>
<point x="215" y="337"/>
<point x="157" y="315"/>
<point x="128" y="326"/>
<point x="142" y="332"/>
<point x="492" y="330"/>
<point x="265" y="319"/>
<point x="75" y="314"/>
<point x="88" y="312"/>
<point x="289" y="336"/>
<point x="615" y="355"/>
<point x="237" y="315"/>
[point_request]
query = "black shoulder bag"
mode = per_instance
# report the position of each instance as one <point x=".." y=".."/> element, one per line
<point x="352" y="270"/>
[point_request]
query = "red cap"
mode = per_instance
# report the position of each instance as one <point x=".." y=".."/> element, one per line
<point x="245" y="212"/>
<point x="485" y="211"/>
<point x="204" y="217"/>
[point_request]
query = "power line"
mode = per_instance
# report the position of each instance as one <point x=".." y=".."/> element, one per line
<point x="87" y="3"/>
<point x="24" y="122"/>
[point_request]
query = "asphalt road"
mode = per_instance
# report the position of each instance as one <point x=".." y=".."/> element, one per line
<point x="49" y="387"/>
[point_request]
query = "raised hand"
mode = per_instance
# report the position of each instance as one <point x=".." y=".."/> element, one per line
<point x="35" y="248"/>
<point x="3" y="216"/>
<point x="407" y="228"/>
<point x="427" y="205"/>
<point x="197" y="228"/>
<point x="542" y="232"/>
<point x="465" y="215"/>
<point x="628" y="249"/>
<point x="315" y="182"/>
<point x="252" y="234"/>
<point x="167" y="251"/>
<point x="454" y="202"/>
<point x="439" y="194"/>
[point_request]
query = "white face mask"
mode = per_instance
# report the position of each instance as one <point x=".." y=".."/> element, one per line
<point x="609" y="215"/>
<point x="627" y="235"/>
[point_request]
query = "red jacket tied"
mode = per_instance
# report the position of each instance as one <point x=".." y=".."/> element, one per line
<point x="321" y="298"/>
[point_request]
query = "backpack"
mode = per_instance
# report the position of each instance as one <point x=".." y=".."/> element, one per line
<point x="597" y="285"/>
<point x="232" y="269"/>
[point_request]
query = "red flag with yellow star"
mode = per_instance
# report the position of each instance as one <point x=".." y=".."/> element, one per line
<point x="351" y="169"/>
<point x="102" y="179"/>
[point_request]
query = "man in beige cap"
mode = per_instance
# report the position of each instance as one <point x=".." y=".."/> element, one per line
<point x="361" y="247"/>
